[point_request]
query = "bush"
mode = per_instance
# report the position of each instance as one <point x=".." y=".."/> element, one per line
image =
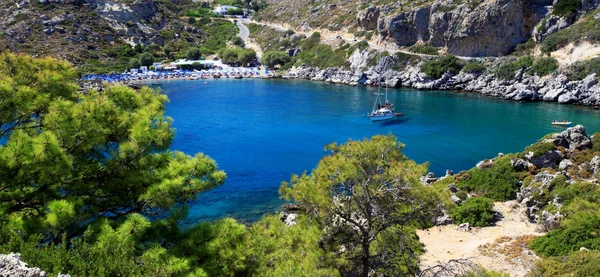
<point x="134" y="63"/>
<point x="272" y="58"/>
<point x="146" y="59"/>
<point x="566" y="8"/>
<point x="581" y="69"/>
<point x="508" y="70"/>
<point x="580" y="230"/>
<point x="540" y="148"/>
<point x="498" y="182"/>
<point x="580" y="263"/>
<point x="401" y="60"/>
<point x="436" y="68"/>
<point x="474" y="67"/>
<point x="596" y="142"/>
<point x="476" y="211"/>
<point x="544" y="66"/>
<point x="194" y="53"/>
<point x="424" y="49"/>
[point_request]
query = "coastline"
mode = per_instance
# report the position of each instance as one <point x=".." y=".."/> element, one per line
<point x="524" y="88"/>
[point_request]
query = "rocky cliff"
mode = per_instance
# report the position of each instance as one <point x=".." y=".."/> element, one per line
<point x="475" y="28"/>
<point x="524" y="87"/>
<point x="82" y="30"/>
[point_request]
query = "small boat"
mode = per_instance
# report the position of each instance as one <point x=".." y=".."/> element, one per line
<point x="562" y="123"/>
<point x="238" y="77"/>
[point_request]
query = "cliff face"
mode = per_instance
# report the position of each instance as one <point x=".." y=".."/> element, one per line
<point x="492" y="28"/>
<point x="474" y="28"/>
<point x="80" y="30"/>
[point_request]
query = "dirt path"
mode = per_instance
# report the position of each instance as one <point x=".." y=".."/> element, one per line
<point x="333" y="37"/>
<point x="501" y="247"/>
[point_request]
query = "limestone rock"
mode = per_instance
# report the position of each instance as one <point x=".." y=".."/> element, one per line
<point x="367" y="19"/>
<point x="464" y="227"/>
<point x="11" y="265"/>
<point x="485" y="164"/>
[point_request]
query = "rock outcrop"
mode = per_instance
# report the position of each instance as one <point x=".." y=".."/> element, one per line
<point x="525" y="88"/>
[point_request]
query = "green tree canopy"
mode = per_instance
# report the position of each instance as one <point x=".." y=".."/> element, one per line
<point x="146" y="59"/>
<point x="273" y="58"/>
<point x="194" y="53"/>
<point x="134" y="63"/>
<point x="228" y="55"/>
<point x="368" y="196"/>
<point x="69" y="158"/>
<point x="246" y="56"/>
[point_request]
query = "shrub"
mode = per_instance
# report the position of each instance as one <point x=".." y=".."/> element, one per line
<point x="476" y="211"/>
<point x="146" y="59"/>
<point x="508" y="70"/>
<point x="580" y="263"/>
<point x="596" y="142"/>
<point x="436" y="68"/>
<point x="566" y="7"/>
<point x="498" y="182"/>
<point x="272" y="58"/>
<point x="581" y="69"/>
<point x="462" y="195"/>
<point x="580" y="230"/>
<point x="401" y="60"/>
<point x="424" y="49"/>
<point x="194" y="53"/>
<point x="134" y="63"/>
<point x="540" y="148"/>
<point x="474" y="67"/>
<point x="544" y="66"/>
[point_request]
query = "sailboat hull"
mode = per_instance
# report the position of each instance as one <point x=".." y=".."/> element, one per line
<point x="381" y="117"/>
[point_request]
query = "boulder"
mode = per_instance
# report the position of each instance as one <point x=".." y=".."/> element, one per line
<point x="464" y="227"/>
<point x="368" y="18"/>
<point x="572" y="138"/>
<point x="443" y="220"/>
<point x="520" y="164"/>
<point x="455" y="199"/>
<point x="565" y="164"/>
<point x="595" y="164"/>
<point x="11" y="265"/>
<point x="485" y="164"/>
<point x="428" y="179"/>
<point x="549" y="159"/>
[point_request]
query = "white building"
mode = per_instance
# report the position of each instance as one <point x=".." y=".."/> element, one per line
<point x="222" y="9"/>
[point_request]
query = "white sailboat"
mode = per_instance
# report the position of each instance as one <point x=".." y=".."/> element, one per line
<point x="382" y="112"/>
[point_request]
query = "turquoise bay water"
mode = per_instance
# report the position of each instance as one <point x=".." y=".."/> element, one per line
<point x="263" y="131"/>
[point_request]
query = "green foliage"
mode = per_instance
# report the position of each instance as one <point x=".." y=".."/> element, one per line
<point x="499" y="182"/>
<point x="476" y="211"/>
<point x="425" y="49"/>
<point x="194" y="54"/>
<point x="401" y="60"/>
<point x="544" y="66"/>
<point x="134" y="63"/>
<point x="146" y="59"/>
<point x="585" y="29"/>
<point x="475" y="67"/>
<point x="579" y="230"/>
<point x="361" y="46"/>
<point x="540" y="148"/>
<point x="246" y="56"/>
<point x="482" y="272"/>
<point x="360" y="177"/>
<point x="579" y="263"/>
<point x="508" y="70"/>
<point x="581" y="69"/>
<point x="272" y="58"/>
<point x="596" y="142"/>
<point x="105" y="151"/>
<point x="436" y="68"/>
<point x="566" y="8"/>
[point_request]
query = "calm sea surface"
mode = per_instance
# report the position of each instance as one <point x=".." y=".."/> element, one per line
<point x="263" y="131"/>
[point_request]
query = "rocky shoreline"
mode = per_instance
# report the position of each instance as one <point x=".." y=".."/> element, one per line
<point x="525" y="88"/>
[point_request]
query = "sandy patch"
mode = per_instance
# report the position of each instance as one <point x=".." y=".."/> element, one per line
<point x="574" y="52"/>
<point x="484" y="246"/>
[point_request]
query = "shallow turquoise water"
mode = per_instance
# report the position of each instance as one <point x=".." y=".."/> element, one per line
<point x="262" y="131"/>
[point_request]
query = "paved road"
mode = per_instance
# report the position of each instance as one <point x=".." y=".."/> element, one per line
<point x="244" y="31"/>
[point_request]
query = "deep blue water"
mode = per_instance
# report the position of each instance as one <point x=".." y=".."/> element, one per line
<point x="262" y="131"/>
